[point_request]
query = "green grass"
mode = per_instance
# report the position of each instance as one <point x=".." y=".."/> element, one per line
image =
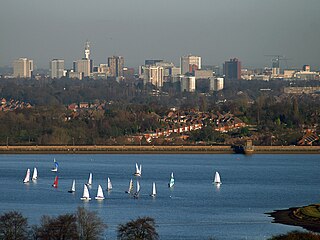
<point x="312" y="211"/>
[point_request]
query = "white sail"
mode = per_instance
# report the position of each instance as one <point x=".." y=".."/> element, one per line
<point x="217" y="179"/>
<point x="100" y="195"/>
<point x="171" y="182"/>
<point x="136" y="194"/>
<point x="86" y="195"/>
<point x="90" y="179"/>
<point x="27" y="178"/>
<point x="109" y="184"/>
<point x="130" y="187"/>
<point x="73" y="187"/>
<point x="154" y="191"/>
<point x="35" y="174"/>
<point x="138" y="170"/>
<point x="138" y="187"/>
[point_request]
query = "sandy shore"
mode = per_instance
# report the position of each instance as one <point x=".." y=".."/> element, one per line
<point x="156" y="149"/>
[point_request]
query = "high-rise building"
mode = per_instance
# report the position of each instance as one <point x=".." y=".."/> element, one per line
<point x="153" y="75"/>
<point x="190" y="63"/>
<point x="57" y="68"/>
<point x="116" y="64"/>
<point x="188" y="84"/>
<point x="83" y="66"/>
<point x="22" y="68"/>
<point x="152" y="61"/>
<point x="232" y="69"/>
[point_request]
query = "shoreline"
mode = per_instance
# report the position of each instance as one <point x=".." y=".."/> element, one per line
<point x="97" y="149"/>
<point x="293" y="217"/>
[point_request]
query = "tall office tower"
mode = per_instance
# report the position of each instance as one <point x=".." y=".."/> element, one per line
<point x="153" y="75"/>
<point x="22" y="68"/>
<point x="232" y="69"/>
<point x="83" y="66"/>
<point x="188" y="84"/>
<point x="275" y="66"/>
<point x="190" y="63"/>
<point x="116" y="64"/>
<point x="57" y="68"/>
<point x="87" y="50"/>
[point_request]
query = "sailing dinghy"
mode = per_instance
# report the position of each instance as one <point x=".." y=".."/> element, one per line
<point x="154" y="191"/>
<point x="56" y="165"/>
<point x="136" y="194"/>
<point x="171" y="182"/>
<point x="35" y="174"/>
<point x="27" y="177"/>
<point x="130" y="187"/>
<point x="100" y="195"/>
<point x="138" y="171"/>
<point x="109" y="185"/>
<point x="55" y="182"/>
<point x="217" y="179"/>
<point x="73" y="187"/>
<point x="90" y="179"/>
<point x="86" y="195"/>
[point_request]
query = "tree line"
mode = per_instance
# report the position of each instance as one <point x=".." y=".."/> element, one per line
<point x="134" y="110"/>
<point x="82" y="225"/>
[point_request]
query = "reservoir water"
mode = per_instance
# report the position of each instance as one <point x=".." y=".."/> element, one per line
<point x="194" y="209"/>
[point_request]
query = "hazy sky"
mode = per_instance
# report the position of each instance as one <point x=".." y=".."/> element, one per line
<point x="144" y="29"/>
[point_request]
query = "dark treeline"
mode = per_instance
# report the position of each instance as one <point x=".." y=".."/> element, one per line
<point x="131" y="108"/>
<point x="81" y="225"/>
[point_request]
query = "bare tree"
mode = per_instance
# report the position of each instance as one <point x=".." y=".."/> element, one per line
<point x="63" y="227"/>
<point x="89" y="224"/>
<point x="143" y="228"/>
<point x="13" y="226"/>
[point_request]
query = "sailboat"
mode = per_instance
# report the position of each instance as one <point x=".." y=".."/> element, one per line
<point x="56" y="165"/>
<point x="55" y="182"/>
<point x="100" y="195"/>
<point x="136" y="194"/>
<point x="73" y="187"/>
<point x="35" y="174"/>
<point x="90" y="179"/>
<point x="138" y="171"/>
<point x="130" y="187"/>
<point x="154" y="191"/>
<point x="109" y="185"/>
<point x="86" y="195"/>
<point x="27" y="177"/>
<point x="171" y="182"/>
<point x="217" y="179"/>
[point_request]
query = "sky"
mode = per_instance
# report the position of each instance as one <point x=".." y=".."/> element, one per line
<point x="216" y="30"/>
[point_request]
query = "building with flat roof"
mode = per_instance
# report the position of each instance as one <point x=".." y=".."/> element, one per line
<point x="116" y="64"/>
<point x="232" y="69"/>
<point x="22" y="68"/>
<point x="57" y="68"/>
<point x="153" y="75"/>
<point x="190" y="63"/>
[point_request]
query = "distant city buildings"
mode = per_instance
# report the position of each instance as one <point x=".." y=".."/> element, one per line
<point x="116" y="65"/>
<point x="232" y="69"/>
<point x="153" y="75"/>
<point x="22" y="68"/>
<point x="57" y="68"/>
<point x="189" y="64"/>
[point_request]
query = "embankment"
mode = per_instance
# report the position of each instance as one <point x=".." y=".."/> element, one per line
<point x="155" y="149"/>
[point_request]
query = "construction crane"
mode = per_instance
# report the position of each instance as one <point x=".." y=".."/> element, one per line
<point x="276" y="63"/>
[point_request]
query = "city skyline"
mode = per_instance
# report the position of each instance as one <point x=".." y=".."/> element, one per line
<point x="215" y="30"/>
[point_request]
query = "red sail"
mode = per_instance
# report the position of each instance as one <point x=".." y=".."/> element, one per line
<point x="55" y="183"/>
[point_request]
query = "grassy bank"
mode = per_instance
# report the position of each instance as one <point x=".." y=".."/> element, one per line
<point x="154" y="149"/>
<point x="307" y="217"/>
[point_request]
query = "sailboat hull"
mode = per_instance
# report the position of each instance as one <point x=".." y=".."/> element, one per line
<point x="99" y="198"/>
<point x="85" y="199"/>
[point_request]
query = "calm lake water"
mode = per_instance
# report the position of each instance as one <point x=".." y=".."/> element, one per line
<point x="193" y="209"/>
